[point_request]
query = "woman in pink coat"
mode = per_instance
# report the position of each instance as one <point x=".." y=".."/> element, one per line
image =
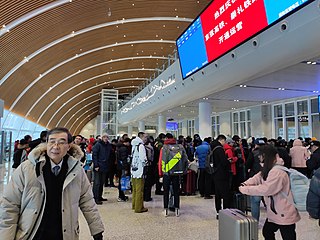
<point x="299" y="155"/>
<point x="271" y="183"/>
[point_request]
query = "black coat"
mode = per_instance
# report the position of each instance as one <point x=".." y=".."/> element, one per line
<point x="285" y="156"/>
<point x="314" y="162"/>
<point x="221" y="162"/>
<point x="101" y="156"/>
<point x="313" y="198"/>
<point x="122" y="156"/>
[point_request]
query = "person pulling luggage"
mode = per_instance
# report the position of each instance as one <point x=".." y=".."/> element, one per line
<point x="272" y="183"/>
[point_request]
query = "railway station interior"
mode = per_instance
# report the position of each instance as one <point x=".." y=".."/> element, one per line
<point x="124" y="67"/>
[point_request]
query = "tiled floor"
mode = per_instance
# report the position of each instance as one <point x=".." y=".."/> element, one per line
<point x="197" y="219"/>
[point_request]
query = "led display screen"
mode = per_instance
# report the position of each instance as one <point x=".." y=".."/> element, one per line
<point x="225" y="24"/>
<point x="171" y="126"/>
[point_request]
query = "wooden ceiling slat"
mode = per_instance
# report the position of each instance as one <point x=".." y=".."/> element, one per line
<point x="61" y="21"/>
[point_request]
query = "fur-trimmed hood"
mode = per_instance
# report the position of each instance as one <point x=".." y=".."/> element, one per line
<point x="34" y="156"/>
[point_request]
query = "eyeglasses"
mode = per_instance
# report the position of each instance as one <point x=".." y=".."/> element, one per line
<point x="59" y="143"/>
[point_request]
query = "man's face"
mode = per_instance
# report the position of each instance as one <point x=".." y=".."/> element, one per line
<point x="313" y="148"/>
<point x="57" y="146"/>
<point x="105" y="138"/>
<point x="77" y="140"/>
<point x="144" y="138"/>
<point x="222" y="141"/>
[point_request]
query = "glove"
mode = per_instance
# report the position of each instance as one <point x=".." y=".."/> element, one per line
<point x="98" y="236"/>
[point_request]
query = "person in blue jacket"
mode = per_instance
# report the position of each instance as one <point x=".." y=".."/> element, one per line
<point x="204" y="179"/>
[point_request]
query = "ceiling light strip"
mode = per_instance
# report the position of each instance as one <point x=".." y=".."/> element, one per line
<point x="73" y="34"/>
<point x="75" y="106"/>
<point x="115" y="81"/>
<point x="83" y="121"/>
<point x="80" y="117"/>
<point x="72" y="75"/>
<point x="126" y="70"/>
<point x="98" y="100"/>
<point x="32" y="14"/>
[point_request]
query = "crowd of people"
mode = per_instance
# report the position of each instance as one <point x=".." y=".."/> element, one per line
<point x="174" y="166"/>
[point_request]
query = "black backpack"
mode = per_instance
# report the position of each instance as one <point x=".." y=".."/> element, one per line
<point x="211" y="167"/>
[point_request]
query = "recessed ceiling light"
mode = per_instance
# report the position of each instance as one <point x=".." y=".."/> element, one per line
<point x="314" y="63"/>
<point x="309" y="62"/>
<point x="124" y="36"/>
<point x="132" y="4"/>
<point x="177" y="16"/>
<point x="157" y="35"/>
<point x="178" y="27"/>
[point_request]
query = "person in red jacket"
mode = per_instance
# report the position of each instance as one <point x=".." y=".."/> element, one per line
<point x="229" y="150"/>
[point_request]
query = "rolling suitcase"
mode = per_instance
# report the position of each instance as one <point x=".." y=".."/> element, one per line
<point x="241" y="202"/>
<point x="235" y="225"/>
<point x="190" y="185"/>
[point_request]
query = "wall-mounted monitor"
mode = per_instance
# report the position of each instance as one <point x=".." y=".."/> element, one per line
<point x="171" y="126"/>
<point x="225" y="24"/>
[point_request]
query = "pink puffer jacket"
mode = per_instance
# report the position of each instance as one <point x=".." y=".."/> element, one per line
<point x="299" y="154"/>
<point x="282" y="211"/>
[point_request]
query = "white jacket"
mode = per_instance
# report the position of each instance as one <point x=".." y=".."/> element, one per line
<point x="24" y="198"/>
<point x="139" y="158"/>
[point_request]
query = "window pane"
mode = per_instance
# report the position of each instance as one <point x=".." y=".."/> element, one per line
<point x="243" y="130"/>
<point x="236" y="129"/>
<point x="289" y="107"/>
<point x="302" y="107"/>
<point x="242" y="116"/>
<point x="218" y="130"/>
<point x="235" y="117"/>
<point x="314" y="105"/>
<point x="249" y="129"/>
<point x="303" y="126"/>
<point x="291" y="130"/>
<point x="278" y="111"/>
<point x="213" y="120"/>
<point x="279" y="127"/>
<point x="218" y="119"/>
<point x="316" y="126"/>
<point x="248" y="116"/>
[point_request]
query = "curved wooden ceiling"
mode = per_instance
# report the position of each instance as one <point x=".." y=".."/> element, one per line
<point x="55" y="64"/>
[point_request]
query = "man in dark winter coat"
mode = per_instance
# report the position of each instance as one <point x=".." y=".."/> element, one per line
<point x="221" y="175"/>
<point x="314" y="162"/>
<point x="313" y="198"/>
<point x="254" y="166"/>
<point x="101" y="152"/>
<point x="123" y="152"/>
<point x="36" y="142"/>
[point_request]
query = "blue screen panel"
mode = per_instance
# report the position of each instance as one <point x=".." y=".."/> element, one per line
<point x="192" y="49"/>
<point x="278" y="8"/>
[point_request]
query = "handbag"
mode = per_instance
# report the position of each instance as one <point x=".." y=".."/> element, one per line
<point x="193" y="166"/>
<point x="125" y="183"/>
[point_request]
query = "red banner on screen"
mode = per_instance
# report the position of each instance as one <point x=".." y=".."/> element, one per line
<point x="226" y="23"/>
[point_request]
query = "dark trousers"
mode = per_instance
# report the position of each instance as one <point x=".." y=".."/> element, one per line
<point x="175" y="181"/>
<point x="222" y="188"/>
<point x="204" y="183"/>
<point x="148" y="182"/>
<point x="99" y="180"/>
<point x="120" y="174"/>
<point x="288" y="232"/>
